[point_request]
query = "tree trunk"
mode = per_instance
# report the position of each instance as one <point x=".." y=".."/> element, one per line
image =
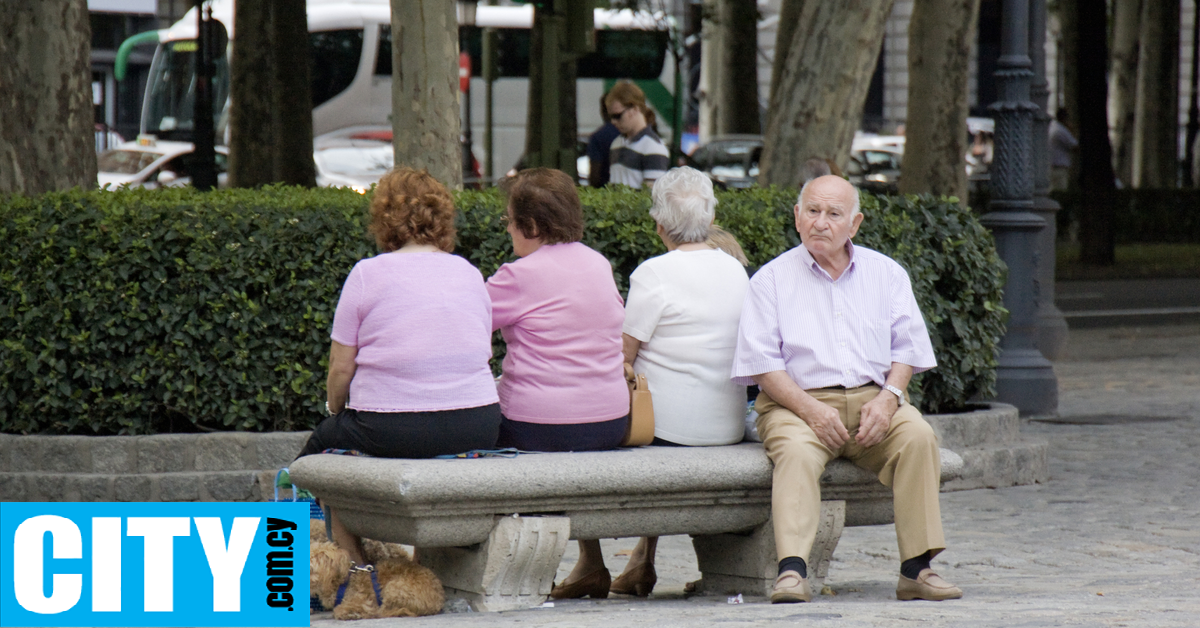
<point x="1127" y="18"/>
<point x="47" y="132"/>
<point x="1090" y="95"/>
<point x="817" y="104"/>
<point x="292" y="85"/>
<point x="939" y="54"/>
<point x="546" y="50"/>
<point x="1156" y="131"/>
<point x="251" y="107"/>
<point x="737" y="91"/>
<point x="425" y="111"/>
<point x="789" y="19"/>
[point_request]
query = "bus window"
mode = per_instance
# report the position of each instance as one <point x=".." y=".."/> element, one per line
<point x="335" y="57"/>
<point x="632" y="54"/>
<point x="172" y="87"/>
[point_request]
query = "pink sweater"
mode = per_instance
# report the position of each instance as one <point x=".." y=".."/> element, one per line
<point x="422" y="325"/>
<point x="561" y="315"/>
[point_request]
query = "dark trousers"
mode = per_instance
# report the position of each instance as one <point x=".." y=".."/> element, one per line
<point x="407" y="434"/>
<point x="596" y="436"/>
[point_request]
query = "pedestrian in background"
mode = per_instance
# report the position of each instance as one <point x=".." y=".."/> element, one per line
<point x="1062" y="142"/>
<point x="597" y="149"/>
<point x="637" y="157"/>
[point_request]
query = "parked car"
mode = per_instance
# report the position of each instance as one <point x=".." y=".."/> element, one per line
<point x="354" y="157"/>
<point x="875" y="167"/>
<point x="731" y="161"/>
<point x="150" y="163"/>
<point x="357" y="157"/>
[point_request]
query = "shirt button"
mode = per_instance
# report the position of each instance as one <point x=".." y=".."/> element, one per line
<point x="843" y="344"/>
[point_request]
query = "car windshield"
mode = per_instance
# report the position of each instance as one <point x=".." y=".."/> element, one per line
<point x="125" y="161"/>
<point x="369" y="160"/>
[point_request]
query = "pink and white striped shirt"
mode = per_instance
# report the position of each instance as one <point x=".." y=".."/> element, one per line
<point x="823" y="332"/>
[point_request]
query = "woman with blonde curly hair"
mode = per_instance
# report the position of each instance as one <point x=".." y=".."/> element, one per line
<point x="411" y="339"/>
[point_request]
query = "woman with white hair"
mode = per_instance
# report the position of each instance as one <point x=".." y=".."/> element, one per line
<point x="681" y="322"/>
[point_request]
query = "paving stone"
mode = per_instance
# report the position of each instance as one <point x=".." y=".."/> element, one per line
<point x="82" y="487"/>
<point x="114" y="454"/>
<point x="165" y="453"/>
<point x="133" y="488"/>
<point x="279" y="449"/>
<point x="223" y="452"/>
<point x="178" y="487"/>
<point x="230" y="487"/>
<point x="6" y="446"/>
<point x="46" y="487"/>
<point x="13" y="487"/>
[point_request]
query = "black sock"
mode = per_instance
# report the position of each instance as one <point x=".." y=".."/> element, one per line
<point x="913" y="567"/>
<point x="794" y="563"/>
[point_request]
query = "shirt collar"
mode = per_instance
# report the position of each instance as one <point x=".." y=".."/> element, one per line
<point x="645" y="131"/>
<point x="811" y="263"/>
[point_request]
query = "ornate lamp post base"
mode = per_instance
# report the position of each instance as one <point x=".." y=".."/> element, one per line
<point x="1024" y="377"/>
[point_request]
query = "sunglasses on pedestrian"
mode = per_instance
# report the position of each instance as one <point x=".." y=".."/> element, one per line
<point x="617" y="116"/>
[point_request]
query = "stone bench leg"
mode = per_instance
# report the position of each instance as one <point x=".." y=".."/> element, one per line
<point x="514" y="568"/>
<point x="746" y="563"/>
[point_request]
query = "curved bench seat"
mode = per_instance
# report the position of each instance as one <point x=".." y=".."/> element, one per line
<point x="493" y="506"/>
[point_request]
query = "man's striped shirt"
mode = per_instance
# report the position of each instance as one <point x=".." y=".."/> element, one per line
<point x="638" y="160"/>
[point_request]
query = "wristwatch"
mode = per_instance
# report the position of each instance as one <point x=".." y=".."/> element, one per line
<point x="330" y="412"/>
<point x="895" y="391"/>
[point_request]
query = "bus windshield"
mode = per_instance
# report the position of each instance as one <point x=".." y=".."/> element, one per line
<point x="172" y="91"/>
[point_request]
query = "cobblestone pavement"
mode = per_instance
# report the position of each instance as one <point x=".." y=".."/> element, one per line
<point x="1113" y="539"/>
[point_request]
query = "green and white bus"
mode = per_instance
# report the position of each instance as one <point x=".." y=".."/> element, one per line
<point x="352" y="70"/>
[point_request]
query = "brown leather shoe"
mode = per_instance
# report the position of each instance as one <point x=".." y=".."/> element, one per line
<point x="790" y="588"/>
<point x="594" y="584"/>
<point x="927" y="586"/>
<point x="639" y="581"/>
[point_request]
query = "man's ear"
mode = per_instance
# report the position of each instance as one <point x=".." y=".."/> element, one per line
<point x="855" y="222"/>
<point x="796" y="212"/>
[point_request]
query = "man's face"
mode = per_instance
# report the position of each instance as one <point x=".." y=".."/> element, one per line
<point x="823" y="217"/>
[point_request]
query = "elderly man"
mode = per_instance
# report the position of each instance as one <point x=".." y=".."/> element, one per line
<point x="831" y="333"/>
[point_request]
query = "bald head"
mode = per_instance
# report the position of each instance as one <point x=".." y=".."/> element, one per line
<point x="832" y="185"/>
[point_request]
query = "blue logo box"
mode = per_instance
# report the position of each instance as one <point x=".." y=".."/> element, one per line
<point x="154" y="564"/>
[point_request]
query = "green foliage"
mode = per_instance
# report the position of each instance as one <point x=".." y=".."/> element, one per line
<point x="139" y="312"/>
<point x="957" y="278"/>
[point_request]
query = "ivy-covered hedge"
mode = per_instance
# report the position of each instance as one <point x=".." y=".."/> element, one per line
<point x="171" y="310"/>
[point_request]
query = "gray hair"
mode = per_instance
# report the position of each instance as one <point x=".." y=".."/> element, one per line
<point x="683" y="204"/>
<point x="853" y="210"/>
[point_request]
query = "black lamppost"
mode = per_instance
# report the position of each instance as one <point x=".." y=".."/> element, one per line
<point x="204" y="171"/>
<point x="1051" y="337"/>
<point x="1024" y="377"/>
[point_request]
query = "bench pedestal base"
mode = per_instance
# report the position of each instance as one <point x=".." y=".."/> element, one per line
<point x="514" y="568"/>
<point x="747" y="563"/>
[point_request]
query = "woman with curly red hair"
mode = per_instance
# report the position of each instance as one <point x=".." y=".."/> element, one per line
<point x="411" y="339"/>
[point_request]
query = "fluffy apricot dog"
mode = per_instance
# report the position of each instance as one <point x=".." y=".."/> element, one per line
<point x="406" y="588"/>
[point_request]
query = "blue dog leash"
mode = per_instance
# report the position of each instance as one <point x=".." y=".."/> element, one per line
<point x="374" y="583"/>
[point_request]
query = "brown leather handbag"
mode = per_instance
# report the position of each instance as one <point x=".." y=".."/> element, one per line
<point x="641" y="411"/>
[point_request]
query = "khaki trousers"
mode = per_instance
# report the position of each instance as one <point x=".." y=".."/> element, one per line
<point x="907" y="460"/>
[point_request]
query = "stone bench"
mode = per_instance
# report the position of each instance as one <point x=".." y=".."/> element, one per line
<point x="495" y="529"/>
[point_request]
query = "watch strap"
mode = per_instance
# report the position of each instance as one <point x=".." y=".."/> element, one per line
<point x="895" y="391"/>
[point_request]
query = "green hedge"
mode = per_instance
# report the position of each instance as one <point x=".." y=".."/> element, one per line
<point x="140" y="312"/>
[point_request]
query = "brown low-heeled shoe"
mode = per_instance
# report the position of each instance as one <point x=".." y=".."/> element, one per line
<point x="594" y="584"/>
<point x="638" y="581"/>
<point x="927" y="586"/>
